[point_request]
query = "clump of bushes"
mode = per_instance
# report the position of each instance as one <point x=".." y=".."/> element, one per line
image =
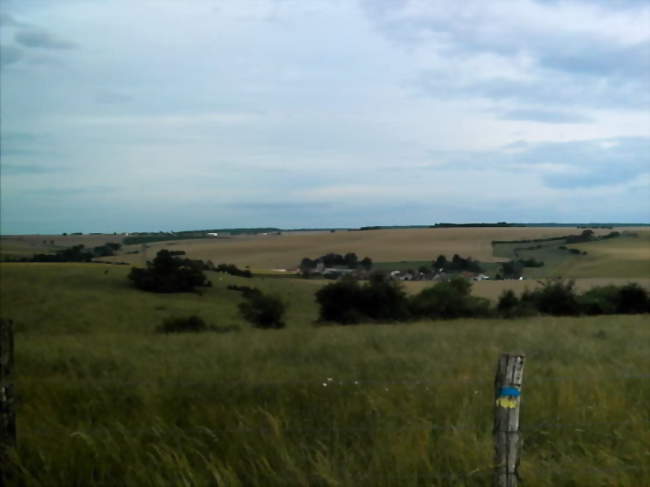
<point x="457" y="264"/>
<point x="348" y="302"/>
<point x="381" y="299"/>
<point x="186" y="324"/>
<point x="245" y="290"/>
<point x="233" y="270"/>
<point x="446" y="300"/>
<point x="169" y="274"/>
<point x="532" y="262"/>
<point x="559" y="298"/>
<point x="192" y="324"/>
<point x="262" y="310"/>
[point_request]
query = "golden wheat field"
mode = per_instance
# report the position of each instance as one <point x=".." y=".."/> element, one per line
<point x="286" y="250"/>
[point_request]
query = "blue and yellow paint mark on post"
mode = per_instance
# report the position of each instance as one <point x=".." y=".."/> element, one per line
<point x="508" y="397"/>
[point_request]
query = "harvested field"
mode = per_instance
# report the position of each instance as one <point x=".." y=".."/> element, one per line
<point x="286" y="250"/>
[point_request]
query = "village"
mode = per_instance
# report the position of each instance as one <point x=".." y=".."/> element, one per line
<point x="335" y="266"/>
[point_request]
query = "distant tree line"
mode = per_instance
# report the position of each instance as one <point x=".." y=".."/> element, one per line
<point x="585" y="236"/>
<point x="76" y="253"/>
<point x="478" y="225"/>
<point x="383" y="300"/>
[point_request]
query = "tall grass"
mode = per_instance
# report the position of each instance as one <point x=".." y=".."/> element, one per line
<point x="394" y="405"/>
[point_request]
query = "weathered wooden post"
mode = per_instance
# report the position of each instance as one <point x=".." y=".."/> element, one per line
<point x="507" y="440"/>
<point x="7" y="411"/>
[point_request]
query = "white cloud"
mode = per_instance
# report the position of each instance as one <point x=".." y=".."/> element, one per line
<point x="362" y="108"/>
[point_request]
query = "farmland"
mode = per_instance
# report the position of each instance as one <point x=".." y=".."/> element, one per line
<point x="103" y="399"/>
<point x="286" y="250"/>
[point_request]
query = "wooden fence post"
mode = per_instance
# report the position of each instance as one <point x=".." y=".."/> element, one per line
<point x="7" y="411"/>
<point x="507" y="439"/>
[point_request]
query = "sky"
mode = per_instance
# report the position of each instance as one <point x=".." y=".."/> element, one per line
<point x="162" y="115"/>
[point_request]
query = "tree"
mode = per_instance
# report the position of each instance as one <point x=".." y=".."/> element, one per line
<point x="508" y="303"/>
<point x="451" y="299"/>
<point x="440" y="262"/>
<point x="511" y="270"/>
<point x="366" y="263"/>
<point x="169" y="274"/>
<point x="351" y="260"/>
<point x="632" y="298"/>
<point x="556" y="297"/>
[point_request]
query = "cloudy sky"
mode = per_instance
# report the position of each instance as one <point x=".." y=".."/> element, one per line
<point x="167" y="115"/>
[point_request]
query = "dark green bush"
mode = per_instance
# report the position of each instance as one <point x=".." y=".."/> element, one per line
<point x="601" y="300"/>
<point x="169" y="274"/>
<point x="508" y="304"/>
<point x="632" y="298"/>
<point x="347" y="302"/>
<point x="341" y="302"/>
<point x="245" y="290"/>
<point x="555" y="297"/>
<point x="451" y="299"/>
<point x="189" y="324"/>
<point x="233" y="270"/>
<point x="263" y="311"/>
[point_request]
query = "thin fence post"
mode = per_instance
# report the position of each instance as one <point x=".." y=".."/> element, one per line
<point x="7" y="410"/>
<point x="507" y="439"/>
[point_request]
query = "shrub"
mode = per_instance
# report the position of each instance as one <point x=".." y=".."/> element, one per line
<point x="511" y="270"/>
<point x="600" y="300"/>
<point x="233" y="270"/>
<point x="632" y="298"/>
<point x="384" y="299"/>
<point x="263" y="311"/>
<point x="451" y="299"/>
<point x="508" y="304"/>
<point x="531" y="262"/>
<point x="555" y="297"/>
<point x="346" y="302"/>
<point x="245" y="290"/>
<point x="340" y="302"/>
<point x="189" y="324"/>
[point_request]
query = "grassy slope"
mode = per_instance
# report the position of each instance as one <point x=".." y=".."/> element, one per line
<point x="619" y="257"/>
<point x="28" y="245"/>
<point x="623" y="257"/>
<point x="104" y="400"/>
<point x="99" y="298"/>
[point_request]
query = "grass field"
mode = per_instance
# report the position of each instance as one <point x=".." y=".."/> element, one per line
<point x="102" y="400"/>
<point x="619" y="257"/>
<point x="624" y="256"/>
<point x="28" y="245"/>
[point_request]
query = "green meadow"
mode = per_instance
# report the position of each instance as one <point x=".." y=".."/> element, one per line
<point x="103" y="400"/>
